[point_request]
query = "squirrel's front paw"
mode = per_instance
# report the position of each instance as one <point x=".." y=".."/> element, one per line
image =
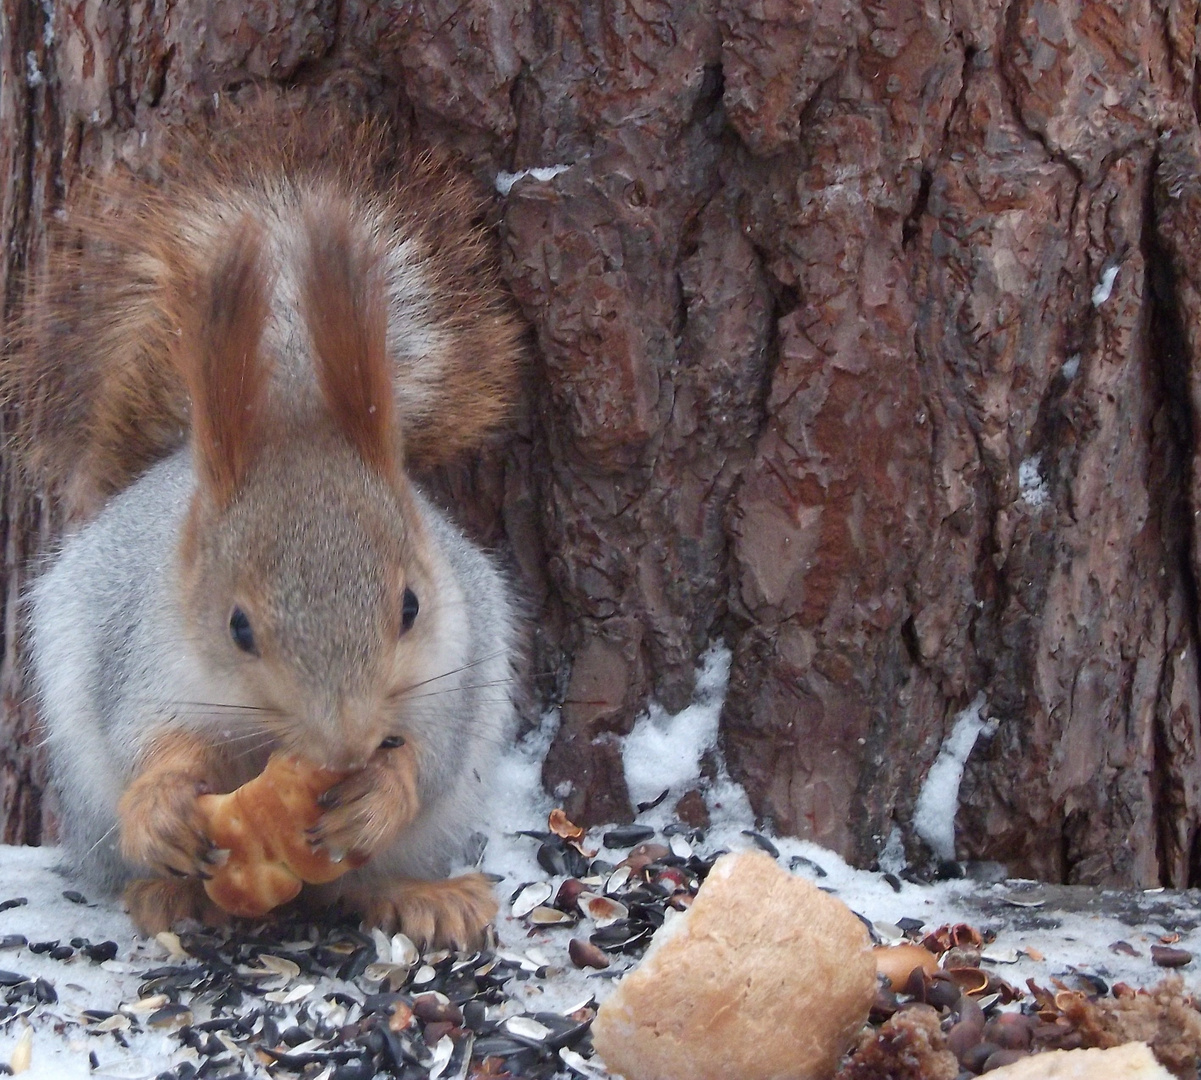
<point x="365" y="812"/>
<point x="162" y="828"/>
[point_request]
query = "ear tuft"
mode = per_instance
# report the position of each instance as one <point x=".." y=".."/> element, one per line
<point x="225" y="373"/>
<point x="345" y="307"/>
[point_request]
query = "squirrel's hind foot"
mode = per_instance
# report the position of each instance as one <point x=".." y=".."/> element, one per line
<point x="452" y="913"/>
<point x="157" y="904"/>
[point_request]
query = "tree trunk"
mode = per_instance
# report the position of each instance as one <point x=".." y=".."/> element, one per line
<point x="865" y="336"/>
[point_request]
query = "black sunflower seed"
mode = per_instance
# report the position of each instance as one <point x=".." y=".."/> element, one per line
<point x="799" y="862"/>
<point x="16" y="901"/>
<point x="643" y="806"/>
<point x="501" y="1046"/>
<point x="105" y="950"/>
<point x="12" y="941"/>
<point x="45" y="992"/>
<point x="168" y="1014"/>
<point x="355" y="1070"/>
<point x="43" y="946"/>
<point x="12" y="978"/>
<point x="762" y="842"/>
<point x="475" y="1015"/>
<point x="626" y="836"/>
<point x="553" y="860"/>
<point x="61" y="952"/>
<point x="356" y="963"/>
<point x="74" y="897"/>
<point x="314" y="1057"/>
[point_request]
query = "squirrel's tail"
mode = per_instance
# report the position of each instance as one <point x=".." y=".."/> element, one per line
<point x="94" y="369"/>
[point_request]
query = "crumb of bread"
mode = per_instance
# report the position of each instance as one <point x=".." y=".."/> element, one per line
<point x="1132" y="1061"/>
<point x="261" y="826"/>
<point x="764" y="976"/>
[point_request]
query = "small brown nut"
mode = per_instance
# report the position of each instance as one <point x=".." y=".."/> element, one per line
<point x="262" y="825"/>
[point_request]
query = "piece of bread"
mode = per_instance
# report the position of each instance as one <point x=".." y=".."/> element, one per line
<point x="262" y="825"/>
<point x="1131" y="1061"/>
<point x="765" y="977"/>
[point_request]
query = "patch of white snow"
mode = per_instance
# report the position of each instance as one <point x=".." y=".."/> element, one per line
<point x="663" y="752"/>
<point x="1031" y="483"/>
<point x="1104" y="288"/>
<point x="938" y="801"/>
<point x="505" y="180"/>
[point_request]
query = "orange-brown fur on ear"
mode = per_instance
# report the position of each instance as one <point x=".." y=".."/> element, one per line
<point x="222" y="365"/>
<point x="342" y="297"/>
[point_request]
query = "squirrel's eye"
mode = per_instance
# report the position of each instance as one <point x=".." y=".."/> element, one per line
<point x="239" y="630"/>
<point x="408" y="609"/>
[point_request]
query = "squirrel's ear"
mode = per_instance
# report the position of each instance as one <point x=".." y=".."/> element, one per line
<point x="225" y="372"/>
<point x="345" y="307"/>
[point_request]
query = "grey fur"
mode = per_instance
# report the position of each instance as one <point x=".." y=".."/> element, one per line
<point x="116" y="652"/>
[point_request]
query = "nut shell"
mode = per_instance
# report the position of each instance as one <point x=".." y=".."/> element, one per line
<point x="262" y="825"/>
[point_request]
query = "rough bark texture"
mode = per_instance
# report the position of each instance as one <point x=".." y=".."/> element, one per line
<point x="866" y="335"/>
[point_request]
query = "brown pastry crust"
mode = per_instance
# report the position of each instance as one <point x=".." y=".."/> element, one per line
<point x="262" y="825"/>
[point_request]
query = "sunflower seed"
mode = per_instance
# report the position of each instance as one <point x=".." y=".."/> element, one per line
<point x="530" y="897"/>
<point x="23" y="1052"/>
<point x="618" y="879"/>
<point x="523" y="1027"/>
<point x="549" y="916"/>
<point x="404" y="951"/>
<point x="585" y="954"/>
<point x="424" y="975"/>
<point x="580" y="1064"/>
<point x="602" y="910"/>
<point x="290" y="997"/>
<point x="680" y="847"/>
<point x="625" y="836"/>
<point x="277" y="965"/>
<point x="762" y="842"/>
<point x="441" y="1054"/>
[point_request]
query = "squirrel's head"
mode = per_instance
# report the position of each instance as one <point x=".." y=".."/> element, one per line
<point x="307" y="573"/>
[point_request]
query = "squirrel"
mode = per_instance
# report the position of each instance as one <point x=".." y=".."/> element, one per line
<point x="227" y="374"/>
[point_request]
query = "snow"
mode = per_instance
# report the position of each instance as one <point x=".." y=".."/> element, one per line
<point x="1033" y="941"/>
<point x="505" y="180"/>
<point x="33" y="74"/>
<point x="664" y="752"/>
<point x="938" y="801"/>
<point x="1031" y="483"/>
<point x="1104" y="287"/>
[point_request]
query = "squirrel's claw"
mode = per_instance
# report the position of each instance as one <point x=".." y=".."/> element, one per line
<point x="365" y="812"/>
<point x="161" y="826"/>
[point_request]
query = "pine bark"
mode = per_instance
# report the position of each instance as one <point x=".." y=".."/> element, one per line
<point x="864" y="336"/>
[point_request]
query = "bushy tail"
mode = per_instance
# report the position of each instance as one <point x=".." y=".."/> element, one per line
<point x="94" y="367"/>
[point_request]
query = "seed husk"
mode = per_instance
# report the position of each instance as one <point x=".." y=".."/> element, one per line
<point x="585" y="954"/>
